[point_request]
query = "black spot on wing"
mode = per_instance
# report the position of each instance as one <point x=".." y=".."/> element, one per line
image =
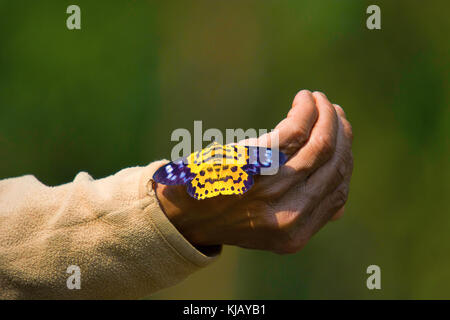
<point x="248" y="183"/>
<point x="192" y="191"/>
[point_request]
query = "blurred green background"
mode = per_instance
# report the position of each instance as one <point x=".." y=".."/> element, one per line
<point x="109" y="95"/>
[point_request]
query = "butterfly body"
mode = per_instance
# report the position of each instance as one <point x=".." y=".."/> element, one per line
<point x="217" y="170"/>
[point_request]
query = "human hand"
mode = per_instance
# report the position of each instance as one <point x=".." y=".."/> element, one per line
<point x="283" y="211"/>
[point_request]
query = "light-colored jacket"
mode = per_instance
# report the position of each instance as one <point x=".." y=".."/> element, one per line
<point x="112" y="229"/>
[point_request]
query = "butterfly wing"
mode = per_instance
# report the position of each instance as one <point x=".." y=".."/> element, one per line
<point x="230" y="180"/>
<point x="260" y="157"/>
<point x="174" y="173"/>
<point x="232" y="172"/>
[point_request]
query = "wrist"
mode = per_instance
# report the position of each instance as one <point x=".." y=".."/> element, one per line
<point x="177" y="206"/>
<point x="171" y="203"/>
<point x="184" y="212"/>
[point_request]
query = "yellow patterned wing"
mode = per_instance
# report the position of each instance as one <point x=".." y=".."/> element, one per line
<point x="218" y="171"/>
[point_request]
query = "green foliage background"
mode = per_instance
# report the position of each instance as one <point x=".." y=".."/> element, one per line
<point x="109" y="95"/>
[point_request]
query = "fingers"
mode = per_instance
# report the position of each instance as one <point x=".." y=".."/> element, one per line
<point x="340" y="111"/>
<point x="347" y="126"/>
<point x="331" y="179"/>
<point x="318" y="149"/>
<point x="299" y="221"/>
<point x="293" y="131"/>
<point x="331" y="205"/>
<point x="328" y="177"/>
<point x="331" y="208"/>
<point x="349" y="134"/>
<point x="287" y="222"/>
<point x="322" y="142"/>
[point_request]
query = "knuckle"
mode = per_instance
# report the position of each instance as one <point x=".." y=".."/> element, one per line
<point x="297" y="138"/>
<point x="343" y="161"/>
<point x="296" y="144"/>
<point x="325" y="145"/>
<point x="299" y="134"/>
<point x="341" y="196"/>
<point x="342" y="170"/>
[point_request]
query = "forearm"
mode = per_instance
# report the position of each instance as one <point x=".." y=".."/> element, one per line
<point x="112" y="229"/>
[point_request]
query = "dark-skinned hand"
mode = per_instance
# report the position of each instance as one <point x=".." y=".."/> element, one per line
<point x="281" y="212"/>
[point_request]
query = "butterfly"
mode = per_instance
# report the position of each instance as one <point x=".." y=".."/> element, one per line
<point x="219" y="169"/>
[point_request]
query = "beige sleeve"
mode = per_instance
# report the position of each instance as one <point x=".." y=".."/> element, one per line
<point x="112" y="229"/>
